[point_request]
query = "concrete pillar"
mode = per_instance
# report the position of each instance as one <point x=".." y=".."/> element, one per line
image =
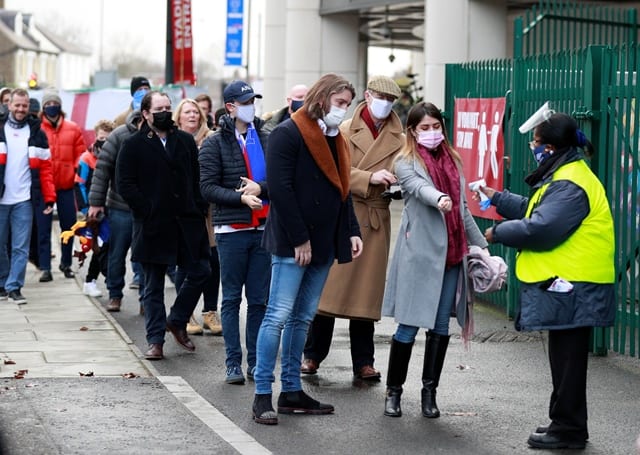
<point x="460" y="31"/>
<point x="313" y="45"/>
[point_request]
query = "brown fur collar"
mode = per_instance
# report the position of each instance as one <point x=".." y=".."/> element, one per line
<point x="319" y="149"/>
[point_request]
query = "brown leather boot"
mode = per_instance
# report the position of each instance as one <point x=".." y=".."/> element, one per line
<point x="114" y="305"/>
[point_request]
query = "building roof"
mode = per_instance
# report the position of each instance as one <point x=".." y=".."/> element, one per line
<point x="28" y="39"/>
<point x="7" y="29"/>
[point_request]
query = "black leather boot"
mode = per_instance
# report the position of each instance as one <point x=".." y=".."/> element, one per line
<point x="399" y="356"/>
<point x="435" y="351"/>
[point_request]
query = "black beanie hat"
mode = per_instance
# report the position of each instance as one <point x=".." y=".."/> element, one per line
<point x="137" y="82"/>
<point x="34" y="105"/>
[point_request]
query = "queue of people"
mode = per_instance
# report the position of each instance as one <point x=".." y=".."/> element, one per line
<point x="294" y="210"/>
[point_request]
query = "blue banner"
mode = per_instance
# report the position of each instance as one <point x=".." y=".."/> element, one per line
<point x="233" y="54"/>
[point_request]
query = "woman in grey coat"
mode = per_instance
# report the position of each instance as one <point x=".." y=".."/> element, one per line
<point x="427" y="276"/>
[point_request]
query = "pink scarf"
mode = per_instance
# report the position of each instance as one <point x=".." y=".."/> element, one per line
<point x="446" y="178"/>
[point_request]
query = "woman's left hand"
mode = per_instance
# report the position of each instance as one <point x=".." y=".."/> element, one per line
<point x="356" y="247"/>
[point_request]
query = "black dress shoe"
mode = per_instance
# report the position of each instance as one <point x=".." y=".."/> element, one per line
<point x="181" y="336"/>
<point x="552" y="441"/>
<point x="66" y="270"/>
<point x="46" y="276"/>
<point x="154" y="352"/>
<point x="299" y="402"/>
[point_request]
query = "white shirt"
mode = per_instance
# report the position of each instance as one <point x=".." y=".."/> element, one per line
<point x="17" y="174"/>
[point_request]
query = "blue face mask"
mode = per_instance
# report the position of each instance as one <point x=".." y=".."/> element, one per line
<point x="296" y="104"/>
<point x="137" y="99"/>
<point x="52" y="111"/>
<point x="540" y="155"/>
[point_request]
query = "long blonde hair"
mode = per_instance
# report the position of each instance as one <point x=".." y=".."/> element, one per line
<point x="415" y="116"/>
<point x="203" y="130"/>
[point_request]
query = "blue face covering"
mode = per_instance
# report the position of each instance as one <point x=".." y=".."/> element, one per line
<point x="540" y="155"/>
<point x="137" y="99"/>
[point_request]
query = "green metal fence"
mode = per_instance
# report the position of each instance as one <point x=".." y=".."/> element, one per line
<point x="553" y="25"/>
<point x="599" y="87"/>
<point x="619" y="112"/>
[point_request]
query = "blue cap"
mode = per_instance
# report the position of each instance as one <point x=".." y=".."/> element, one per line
<point x="238" y="91"/>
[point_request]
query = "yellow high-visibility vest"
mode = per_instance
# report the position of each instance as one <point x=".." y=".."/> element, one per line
<point x="588" y="254"/>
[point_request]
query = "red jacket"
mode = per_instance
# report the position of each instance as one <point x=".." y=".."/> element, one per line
<point x="66" y="144"/>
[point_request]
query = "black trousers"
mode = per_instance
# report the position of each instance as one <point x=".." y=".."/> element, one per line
<point x="568" y="357"/>
<point x="321" y="333"/>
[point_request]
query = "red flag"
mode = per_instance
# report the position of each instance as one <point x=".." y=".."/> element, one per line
<point x="182" y="42"/>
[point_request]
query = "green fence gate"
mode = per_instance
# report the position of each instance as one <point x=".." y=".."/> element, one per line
<point x="597" y="85"/>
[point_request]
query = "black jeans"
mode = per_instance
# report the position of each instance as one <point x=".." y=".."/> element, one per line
<point x="321" y="333"/>
<point x="568" y="358"/>
<point x="211" y="287"/>
<point x="155" y="319"/>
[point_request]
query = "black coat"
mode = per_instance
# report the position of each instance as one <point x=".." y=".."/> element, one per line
<point x="162" y="189"/>
<point x="305" y="205"/>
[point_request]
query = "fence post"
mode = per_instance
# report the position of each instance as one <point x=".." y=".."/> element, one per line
<point x="517" y="37"/>
<point x="595" y="129"/>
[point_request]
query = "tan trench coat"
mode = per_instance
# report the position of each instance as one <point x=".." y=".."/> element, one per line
<point x="355" y="290"/>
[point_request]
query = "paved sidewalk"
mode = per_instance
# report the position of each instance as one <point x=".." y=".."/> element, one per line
<point x="60" y="332"/>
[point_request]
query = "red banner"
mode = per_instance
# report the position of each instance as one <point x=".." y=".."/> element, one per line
<point x="477" y="132"/>
<point x="182" y="42"/>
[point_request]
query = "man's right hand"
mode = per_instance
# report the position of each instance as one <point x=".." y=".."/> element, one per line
<point x="94" y="211"/>
<point x="383" y="177"/>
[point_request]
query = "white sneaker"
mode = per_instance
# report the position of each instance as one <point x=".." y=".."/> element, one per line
<point x="91" y="289"/>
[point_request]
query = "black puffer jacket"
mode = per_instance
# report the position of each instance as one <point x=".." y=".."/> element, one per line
<point x="103" y="191"/>
<point x="221" y="166"/>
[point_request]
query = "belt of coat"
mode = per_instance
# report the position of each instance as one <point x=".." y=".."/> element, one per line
<point x="373" y="205"/>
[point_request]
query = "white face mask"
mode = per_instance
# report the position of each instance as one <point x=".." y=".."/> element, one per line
<point x="430" y="139"/>
<point x="380" y="109"/>
<point x="245" y="112"/>
<point x="335" y="117"/>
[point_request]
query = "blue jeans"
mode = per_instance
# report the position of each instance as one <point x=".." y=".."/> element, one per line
<point x="120" y="226"/>
<point x="155" y="316"/>
<point x="407" y="333"/>
<point x="137" y="272"/>
<point x="66" y="207"/>
<point x="243" y="262"/>
<point x="16" y="218"/>
<point x="293" y="301"/>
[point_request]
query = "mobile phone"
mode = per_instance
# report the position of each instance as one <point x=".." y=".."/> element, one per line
<point x="241" y="184"/>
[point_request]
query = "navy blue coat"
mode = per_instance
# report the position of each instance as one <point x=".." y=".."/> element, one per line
<point x="305" y="205"/>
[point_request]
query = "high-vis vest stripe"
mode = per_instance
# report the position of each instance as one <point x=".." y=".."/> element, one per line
<point x="588" y="254"/>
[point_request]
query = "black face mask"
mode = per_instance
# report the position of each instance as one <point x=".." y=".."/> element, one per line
<point x="97" y="145"/>
<point x="162" y="120"/>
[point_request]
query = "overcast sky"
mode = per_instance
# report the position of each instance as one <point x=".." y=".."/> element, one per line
<point x="141" y="24"/>
<point x="137" y="23"/>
